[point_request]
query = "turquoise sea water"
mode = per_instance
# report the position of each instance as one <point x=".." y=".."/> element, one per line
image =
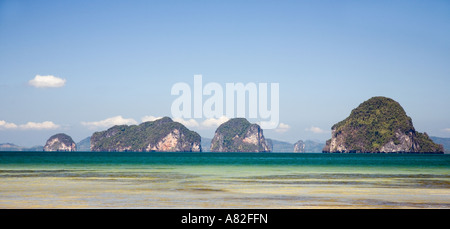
<point x="223" y="180"/>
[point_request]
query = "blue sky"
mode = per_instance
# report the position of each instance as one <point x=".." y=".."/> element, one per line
<point x="119" y="60"/>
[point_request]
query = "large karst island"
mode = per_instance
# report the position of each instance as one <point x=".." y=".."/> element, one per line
<point x="379" y="125"/>
<point x="239" y="135"/>
<point x="165" y="135"/>
<point x="162" y="135"/>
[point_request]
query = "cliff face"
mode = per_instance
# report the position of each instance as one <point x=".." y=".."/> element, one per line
<point x="162" y="135"/>
<point x="60" y="142"/>
<point x="239" y="135"/>
<point x="379" y="125"/>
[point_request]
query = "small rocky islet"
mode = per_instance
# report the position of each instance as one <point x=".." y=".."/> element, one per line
<point x="60" y="142"/>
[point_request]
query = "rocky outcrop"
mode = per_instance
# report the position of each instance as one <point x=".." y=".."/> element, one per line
<point x="239" y="135"/>
<point x="379" y="125"/>
<point x="60" y="142"/>
<point x="162" y="135"/>
<point x="299" y="147"/>
<point x="445" y="142"/>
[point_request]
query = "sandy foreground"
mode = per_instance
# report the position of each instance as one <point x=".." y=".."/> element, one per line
<point x="147" y="192"/>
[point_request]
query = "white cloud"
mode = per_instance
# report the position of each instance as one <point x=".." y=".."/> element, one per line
<point x="149" y="118"/>
<point x="447" y="129"/>
<point x="109" y="122"/>
<point x="213" y="122"/>
<point x="316" y="130"/>
<point x="7" y="125"/>
<point x="47" y="81"/>
<point x="47" y="125"/>
<point x="188" y="123"/>
<point x="282" y="128"/>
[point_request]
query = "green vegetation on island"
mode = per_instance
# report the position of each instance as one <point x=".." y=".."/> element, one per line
<point x="159" y="135"/>
<point x="379" y="124"/>
<point x="239" y="135"/>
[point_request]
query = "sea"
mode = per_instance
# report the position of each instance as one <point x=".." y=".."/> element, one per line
<point x="151" y="180"/>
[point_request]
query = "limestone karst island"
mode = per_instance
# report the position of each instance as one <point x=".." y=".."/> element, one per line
<point x="60" y="142"/>
<point x="162" y="135"/>
<point x="239" y="135"/>
<point x="378" y="125"/>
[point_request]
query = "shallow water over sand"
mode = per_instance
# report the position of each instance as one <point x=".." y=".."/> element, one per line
<point x="185" y="180"/>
